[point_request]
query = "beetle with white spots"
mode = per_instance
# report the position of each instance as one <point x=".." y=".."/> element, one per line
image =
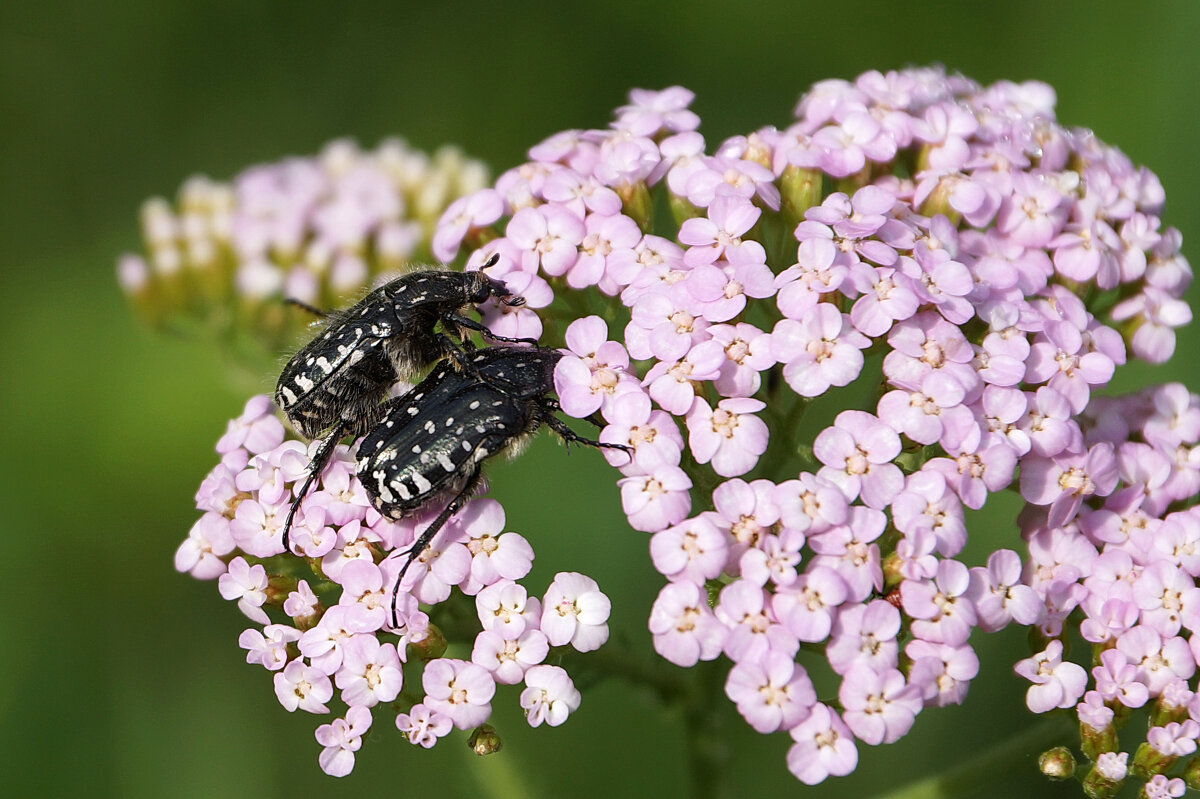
<point x="334" y="386"/>
<point x="433" y="440"/>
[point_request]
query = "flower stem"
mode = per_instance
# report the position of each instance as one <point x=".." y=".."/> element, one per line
<point x="616" y="660"/>
<point x="707" y="752"/>
<point x="695" y="691"/>
<point x="968" y="777"/>
<point x="498" y="777"/>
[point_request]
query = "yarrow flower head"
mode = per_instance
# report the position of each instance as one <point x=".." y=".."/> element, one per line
<point x="317" y="229"/>
<point x="959" y="271"/>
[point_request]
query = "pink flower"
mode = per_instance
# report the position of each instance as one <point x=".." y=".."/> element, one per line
<point x="671" y="384"/>
<point x="1113" y="766"/>
<point x="494" y="556"/>
<point x="941" y="611"/>
<point x="423" y="726"/>
<point x="866" y="635"/>
<point x="744" y="611"/>
<point x="248" y="585"/>
<point x="656" y="500"/>
<point x="575" y="612"/>
<point x="888" y="296"/>
<point x="879" y="706"/>
<point x="1116" y="680"/>
<point x="722" y="291"/>
<point x="1056" y="682"/>
<point x="549" y="697"/>
<point x="653" y="435"/>
<point x="857" y="452"/>
<point x="341" y="740"/>
<point x="595" y="373"/>
<point x="730" y="436"/>
<point x="684" y="628"/>
<point x="303" y="687"/>
<point x="508" y="659"/>
<point x="324" y="645"/>
<point x="811" y="504"/>
<point x="269" y="647"/>
<point x="505" y="608"/>
<point x="820" y="351"/>
<point x="370" y="672"/>
<point x="257" y="430"/>
<point x="747" y="353"/>
<point x="201" y="552"/>
<point x="724" y="174"/>
<point x="604" y="237"/>
<point x="807" y="608"/>
<point x="849" y="550"/>
<point x="362" y="593"/>
<point x="1066" y="480"/>
<point x="934" y="413"/>
<point x="651" y="111"/>
<point x="459" y="690"/>
<point x="665" y="324"/>
<point x="824" y="747"/>
<point x="772" y="693"/>
<point x="1159" y="660"/>
<point x="928" y="504"/>
<point x="473" y="211"/>
<point x="719" y="235"/>
<point x="257" y="529"/>
<point x="999" y="596"/>
<point x="694" y="550"/>
<point x="942" y="673"/>
<point x="747" y="512"/>
<point x="845" y="148"/>
<point x="548" y="236"/>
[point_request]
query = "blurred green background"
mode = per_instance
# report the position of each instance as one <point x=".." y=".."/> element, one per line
<point x="123" y="678"/>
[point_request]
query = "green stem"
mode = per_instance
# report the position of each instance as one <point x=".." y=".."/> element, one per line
<point x="613" y="659"/>
<point x="498" y="777"/>
<point x="695" y="691"/>
<point x="707" y="752"/>
<point x="968" y="777"/>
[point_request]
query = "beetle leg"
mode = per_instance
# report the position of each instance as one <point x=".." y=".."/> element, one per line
<point x="304" y="306"/>
<point x="483" y="330"/>
<point x="570" y="437"/>
<point x="426" y="537"/>
<point x="319" y="461"/>
<point x="595" y="419"/>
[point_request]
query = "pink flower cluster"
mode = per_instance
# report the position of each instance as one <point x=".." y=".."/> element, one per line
<point x="1126" y="563"/>
<point x="956" y="269"/>
<point x="318" y="229"/>
<point x="339" y="632"/>
<point x="1000" y="264"/>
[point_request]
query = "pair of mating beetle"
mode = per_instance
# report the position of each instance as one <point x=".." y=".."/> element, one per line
<point x="432" y="440"/>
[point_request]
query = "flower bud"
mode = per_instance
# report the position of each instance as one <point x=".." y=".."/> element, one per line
<point x="1057" y="763"/>
<point x="485" y="740"/>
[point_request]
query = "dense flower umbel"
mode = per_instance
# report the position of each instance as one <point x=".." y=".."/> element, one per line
<point x="318" y="229"/>
<point x="339" y="631"/>
<point x="998" y="266"/>
<point x="972" y="267"/>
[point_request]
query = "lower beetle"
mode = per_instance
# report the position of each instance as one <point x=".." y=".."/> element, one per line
<point x="434" y="439"/>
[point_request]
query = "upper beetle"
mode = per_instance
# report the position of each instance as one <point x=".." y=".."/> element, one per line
<point x="335" y="384"/>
